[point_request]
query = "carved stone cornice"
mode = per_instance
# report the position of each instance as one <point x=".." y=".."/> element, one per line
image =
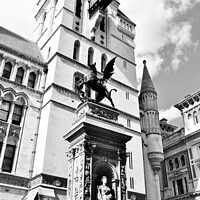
<point x="98" y="110"/>
<point x="189" y="100"/>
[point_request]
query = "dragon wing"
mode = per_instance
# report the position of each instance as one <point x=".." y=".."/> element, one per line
<point x="109" y="69"/>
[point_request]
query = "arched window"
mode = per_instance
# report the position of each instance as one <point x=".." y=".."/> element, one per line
<point x="182" y="160"/>
<point x="31" y="80"/>
<point x="18" y="110"/>
<point x="17" y="114"/>
<point x="76" y="50"/>
<point x="7" y="70"/>
<point x="195" y="117"/>
<point x="19" y="75"/>
<point x="102" y="25"/>
<point x="103" y="62"/>
<point x="170" y="165"/>
<point x="90" y="56"/>
<point x="176" y="163"/>
<point x="78" y="8"/>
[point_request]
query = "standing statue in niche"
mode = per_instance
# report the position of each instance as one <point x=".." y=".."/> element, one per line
<point x="104" y="192"/>
<point x="98" y="84"/>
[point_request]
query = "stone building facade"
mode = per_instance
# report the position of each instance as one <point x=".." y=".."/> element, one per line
<point x="181" y="167"/>
<point x="39" y="97"/>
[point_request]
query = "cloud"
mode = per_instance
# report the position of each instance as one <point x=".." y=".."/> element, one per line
<point x="180" y="37"/>
<point x="170" y="114"/>
<point x="157" y="28"/>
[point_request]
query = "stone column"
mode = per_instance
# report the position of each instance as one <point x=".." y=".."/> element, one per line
<point x="158" y="196"/>
<point x="2" y="64"/>
<point x="14" y="71"/>
<point x="25" y="80"/>
<point x="38" y="81"/>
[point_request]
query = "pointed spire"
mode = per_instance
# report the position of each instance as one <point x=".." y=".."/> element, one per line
<point x="147" y="84"/>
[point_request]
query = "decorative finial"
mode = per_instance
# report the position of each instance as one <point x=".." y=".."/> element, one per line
<point x="144" y="62"/>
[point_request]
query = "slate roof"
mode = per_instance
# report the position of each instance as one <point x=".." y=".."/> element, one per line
<point x="20" y="45"/>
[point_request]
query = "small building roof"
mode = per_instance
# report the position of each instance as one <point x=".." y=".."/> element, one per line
<point x="17" y="43"/>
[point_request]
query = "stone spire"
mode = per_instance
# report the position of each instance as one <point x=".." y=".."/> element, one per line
<point x="147" y="84"/>
<point x="151" y="134"/>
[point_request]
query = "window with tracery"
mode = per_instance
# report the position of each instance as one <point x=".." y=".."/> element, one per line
<point x="12" y="111"/>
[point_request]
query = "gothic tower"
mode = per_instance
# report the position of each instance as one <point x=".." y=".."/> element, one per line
<point x="71" y="35"/>
<point x="152" y="141"/>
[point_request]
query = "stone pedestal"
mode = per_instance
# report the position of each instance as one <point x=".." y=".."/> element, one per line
<point x="97" y="148"/>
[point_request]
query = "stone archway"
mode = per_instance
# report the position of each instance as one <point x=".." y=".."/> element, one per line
<point x="102" y="168"/>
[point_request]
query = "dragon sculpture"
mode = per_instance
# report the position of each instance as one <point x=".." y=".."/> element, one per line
<point x="98" y="84"/>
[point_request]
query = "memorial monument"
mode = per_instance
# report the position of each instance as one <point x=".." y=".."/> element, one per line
<point x="97" y="152"/>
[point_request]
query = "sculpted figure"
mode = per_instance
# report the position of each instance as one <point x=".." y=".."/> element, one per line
<point x="104" y="192"/>
<point x="99" y="84"/>
<point x="133" y="197"/>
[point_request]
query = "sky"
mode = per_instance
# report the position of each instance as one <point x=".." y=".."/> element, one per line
<point x="167" y="37"/>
